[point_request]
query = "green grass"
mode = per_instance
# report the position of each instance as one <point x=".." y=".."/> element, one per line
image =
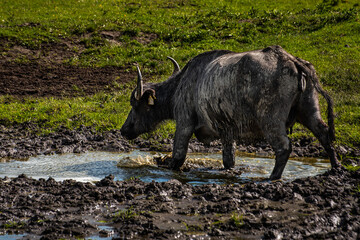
<point x="326" y="33"/>
<point x="129" y="214"/>
<point x="237" y="219"/>
<point x="13" y="225"/>
<point x="352" y="168"/>
<point x="103" y="111"/>
<point x="125" y="215"/>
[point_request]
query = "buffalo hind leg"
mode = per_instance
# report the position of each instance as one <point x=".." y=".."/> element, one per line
<point x="228" y="153"/>
<point x="181" y="143"/>
<point x="321" y="131"/>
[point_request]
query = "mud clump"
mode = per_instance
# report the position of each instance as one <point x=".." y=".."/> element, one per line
<point x="326" y="206"/>
<point x="22" y="141"/>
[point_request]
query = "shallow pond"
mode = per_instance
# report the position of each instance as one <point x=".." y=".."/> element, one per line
<point x="203" y="168"/>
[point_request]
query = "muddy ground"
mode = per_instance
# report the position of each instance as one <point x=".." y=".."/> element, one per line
<point x="44" y="72"/>
<point x="320" y="207"/>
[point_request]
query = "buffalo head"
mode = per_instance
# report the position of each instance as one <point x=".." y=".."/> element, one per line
<point x="147" y="111"/>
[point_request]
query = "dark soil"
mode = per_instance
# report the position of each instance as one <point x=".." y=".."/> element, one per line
<point x="44" y="71"/>
<point x="321" y="207"/>
<point x="34" y="79"/>
<point x="21" y="141"/>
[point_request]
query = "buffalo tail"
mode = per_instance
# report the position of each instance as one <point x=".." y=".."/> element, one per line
<point x="309" y="70"/>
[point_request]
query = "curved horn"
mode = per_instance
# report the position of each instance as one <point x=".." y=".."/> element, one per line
<point x="176" y="65"/>
<point x="139" y="87"/>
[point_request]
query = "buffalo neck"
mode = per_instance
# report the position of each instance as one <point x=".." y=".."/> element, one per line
<point x="165" y="92"/>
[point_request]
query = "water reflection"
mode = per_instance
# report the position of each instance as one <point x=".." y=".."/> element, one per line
<point x="203" y="168"/>
<point x="11" y="236"/>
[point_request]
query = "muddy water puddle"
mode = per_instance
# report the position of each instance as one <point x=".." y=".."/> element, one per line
<point x="200" y="168"/>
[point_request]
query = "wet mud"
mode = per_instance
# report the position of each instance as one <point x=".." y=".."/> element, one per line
<point x="320" y="207"/>
<point x="326" y="206"/>
<point x="21" y="141"/>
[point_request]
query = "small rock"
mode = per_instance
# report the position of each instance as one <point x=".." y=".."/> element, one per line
<point x="298" y="197"/>
<point x="216" y="232"/>
<point x="342" y="150"/>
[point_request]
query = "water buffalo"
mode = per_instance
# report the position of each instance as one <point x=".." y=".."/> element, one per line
<point x="233" y="96"/>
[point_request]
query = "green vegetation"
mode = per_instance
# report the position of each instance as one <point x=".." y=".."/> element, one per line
<point x="132" y="178"/>
<point x="325" y="33"/>
<point x="129" y="214"/>
<point x="104" y="111"/>
<point x="193" y="228"/>
<point x="237" y="219"/>
<point x="13" y="225"/>
<point x="125" y="215"/>
<point x="352" y="168"/>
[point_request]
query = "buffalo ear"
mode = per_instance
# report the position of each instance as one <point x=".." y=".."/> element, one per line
<point x="149" y="94"/>
<point x="151" y="100"/>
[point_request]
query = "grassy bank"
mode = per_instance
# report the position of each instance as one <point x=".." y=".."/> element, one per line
<point x="119" y="33"/>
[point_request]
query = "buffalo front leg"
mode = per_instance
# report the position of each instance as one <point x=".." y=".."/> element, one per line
<point x="282" y="148"/>
<point x="228" y="153"/>
<point x="282" y="156"/>
<point x="181" y="142"/>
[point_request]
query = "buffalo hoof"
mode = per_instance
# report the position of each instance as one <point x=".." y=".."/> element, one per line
<point x="274" y="177"/>
<point x="175" y="165"/>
